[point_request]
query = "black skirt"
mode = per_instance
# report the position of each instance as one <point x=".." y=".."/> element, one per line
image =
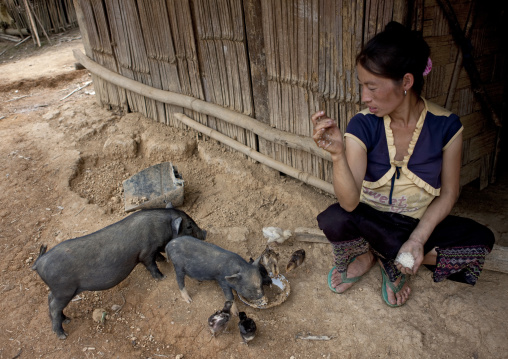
<point x="461" y="243"/>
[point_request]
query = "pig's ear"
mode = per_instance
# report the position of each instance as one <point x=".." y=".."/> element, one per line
<point x="169" y="205"/>
<point x="176" y="224"/>
<point x="233" y="279"/>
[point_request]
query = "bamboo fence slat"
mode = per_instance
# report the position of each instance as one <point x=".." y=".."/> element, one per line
<point x="180" y="20"/>
<point x="89" y="22"/>
<point x="99" y="14"/>
<point x="100" y="44"/>
<point x="245" y="83"/>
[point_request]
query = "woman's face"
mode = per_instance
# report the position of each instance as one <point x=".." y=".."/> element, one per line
<point x="383" y="96"/>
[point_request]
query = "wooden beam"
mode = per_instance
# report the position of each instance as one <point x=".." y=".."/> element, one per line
<point x="304" y="143"/>
<point x="496" y="261"/>
<point x="252" y="153"/>
<point x="468" y="61"/>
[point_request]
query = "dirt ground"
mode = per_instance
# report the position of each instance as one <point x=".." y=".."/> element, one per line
<point x="62" y="163"/>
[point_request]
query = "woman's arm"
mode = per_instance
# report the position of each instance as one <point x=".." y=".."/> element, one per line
<point x="348" y="175"/>
<point x="349" y="160"/>
<point x="440" y="207"/>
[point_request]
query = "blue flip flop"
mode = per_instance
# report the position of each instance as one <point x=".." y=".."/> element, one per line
<point x="343" y="277"/>
<point x="395" y="289"/>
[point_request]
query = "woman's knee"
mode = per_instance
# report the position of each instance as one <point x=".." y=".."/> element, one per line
<point x="334" y="222"/>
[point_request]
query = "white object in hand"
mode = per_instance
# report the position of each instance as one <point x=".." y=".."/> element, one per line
<point x="406" y="259"/>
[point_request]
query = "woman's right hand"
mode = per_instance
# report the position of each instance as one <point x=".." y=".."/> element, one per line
<point x="326" y="133"/>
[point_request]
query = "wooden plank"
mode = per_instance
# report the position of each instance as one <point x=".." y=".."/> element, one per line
<point x="497" y="260"/>
<point x="83" y="26"/>
<point x="257" y="59"/>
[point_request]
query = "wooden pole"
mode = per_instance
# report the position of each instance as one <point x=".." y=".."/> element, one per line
<point x="246" y="150"/>
<point x="304" y="143"/>
<point x="468" y="61"/>
<point x="42" y="26"/>
<point x="458" y="60"/>
<point x="34" y="28"/>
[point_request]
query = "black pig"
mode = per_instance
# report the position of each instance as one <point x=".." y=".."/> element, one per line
<point x="102" y="259"/>
<point x="206" y="261"/>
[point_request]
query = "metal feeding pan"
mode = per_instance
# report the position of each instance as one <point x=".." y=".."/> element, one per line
<point x="276" y="294"/>
<point x="154" y="187"/>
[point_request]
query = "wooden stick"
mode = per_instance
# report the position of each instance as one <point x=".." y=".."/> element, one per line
<point x="19" y="43"/>
<point x="76" y="90"/>
<point x="280" y="137"/>
<point x="42" y="26"/>
<point x="458" y="62"/>
<point x="22" y="41"/>
<point x="9" y="37"/>
<point x="34" y="28"/>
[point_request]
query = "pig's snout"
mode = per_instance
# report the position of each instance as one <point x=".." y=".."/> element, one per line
<point x="255" y="295"/>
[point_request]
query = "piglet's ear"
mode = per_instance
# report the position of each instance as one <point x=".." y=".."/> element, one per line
<point x="175" y="225"/>
<point x="233" y="279"/>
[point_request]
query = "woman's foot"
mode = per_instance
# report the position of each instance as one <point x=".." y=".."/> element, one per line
<point x="395" y="293"/>
<point x="356" y="268"/>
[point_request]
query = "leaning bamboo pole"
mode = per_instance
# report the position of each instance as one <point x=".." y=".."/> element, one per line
<point x="32" y="22"/>
<point x="40" y="23"/>
<point x="246" y="150"/>
<point x="277" y="136"/>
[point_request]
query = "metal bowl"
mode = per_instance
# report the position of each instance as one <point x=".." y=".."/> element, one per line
<point x="276" y="294"/>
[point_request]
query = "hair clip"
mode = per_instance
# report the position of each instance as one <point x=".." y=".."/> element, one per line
<point x="428" y="67"/>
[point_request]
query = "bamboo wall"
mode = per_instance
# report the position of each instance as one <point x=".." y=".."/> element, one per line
<point x="280" y="61"/>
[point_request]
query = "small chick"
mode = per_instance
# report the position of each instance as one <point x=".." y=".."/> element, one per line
<point x="270" y="259"/>
<point x="296" y="260"/>
<point x="247" y="327"/>
<point x="276" y="234"/>
<point x="218" y="321"/>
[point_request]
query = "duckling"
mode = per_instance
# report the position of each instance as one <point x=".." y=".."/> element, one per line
<point x="247" y="327"/>
<point x="296" y="260"/>
<point x="218" y="321"/>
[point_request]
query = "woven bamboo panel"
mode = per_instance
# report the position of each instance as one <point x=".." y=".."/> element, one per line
<point x="310" y="54"/>
<point x="101" y="51"/>
<point x="224" y="62"/>
<point x="280" y="61"/>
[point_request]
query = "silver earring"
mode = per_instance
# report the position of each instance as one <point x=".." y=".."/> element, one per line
<point x="405" y="92"/>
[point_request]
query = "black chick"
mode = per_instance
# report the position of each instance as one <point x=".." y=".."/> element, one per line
<point x="265" y="277"/>
<point x="270" y="259"/>
<point x="218" y="321"/>
<point x="247" y="327"/>
<point x="296" y="260"/>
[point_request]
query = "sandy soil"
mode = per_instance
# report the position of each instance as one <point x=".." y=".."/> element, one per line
<point x="62" y="163"/>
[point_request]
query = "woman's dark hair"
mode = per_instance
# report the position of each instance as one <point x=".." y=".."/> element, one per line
<point x="395" y="52"/>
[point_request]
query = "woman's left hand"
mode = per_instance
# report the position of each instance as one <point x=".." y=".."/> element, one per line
<point x="415" y="248"/>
